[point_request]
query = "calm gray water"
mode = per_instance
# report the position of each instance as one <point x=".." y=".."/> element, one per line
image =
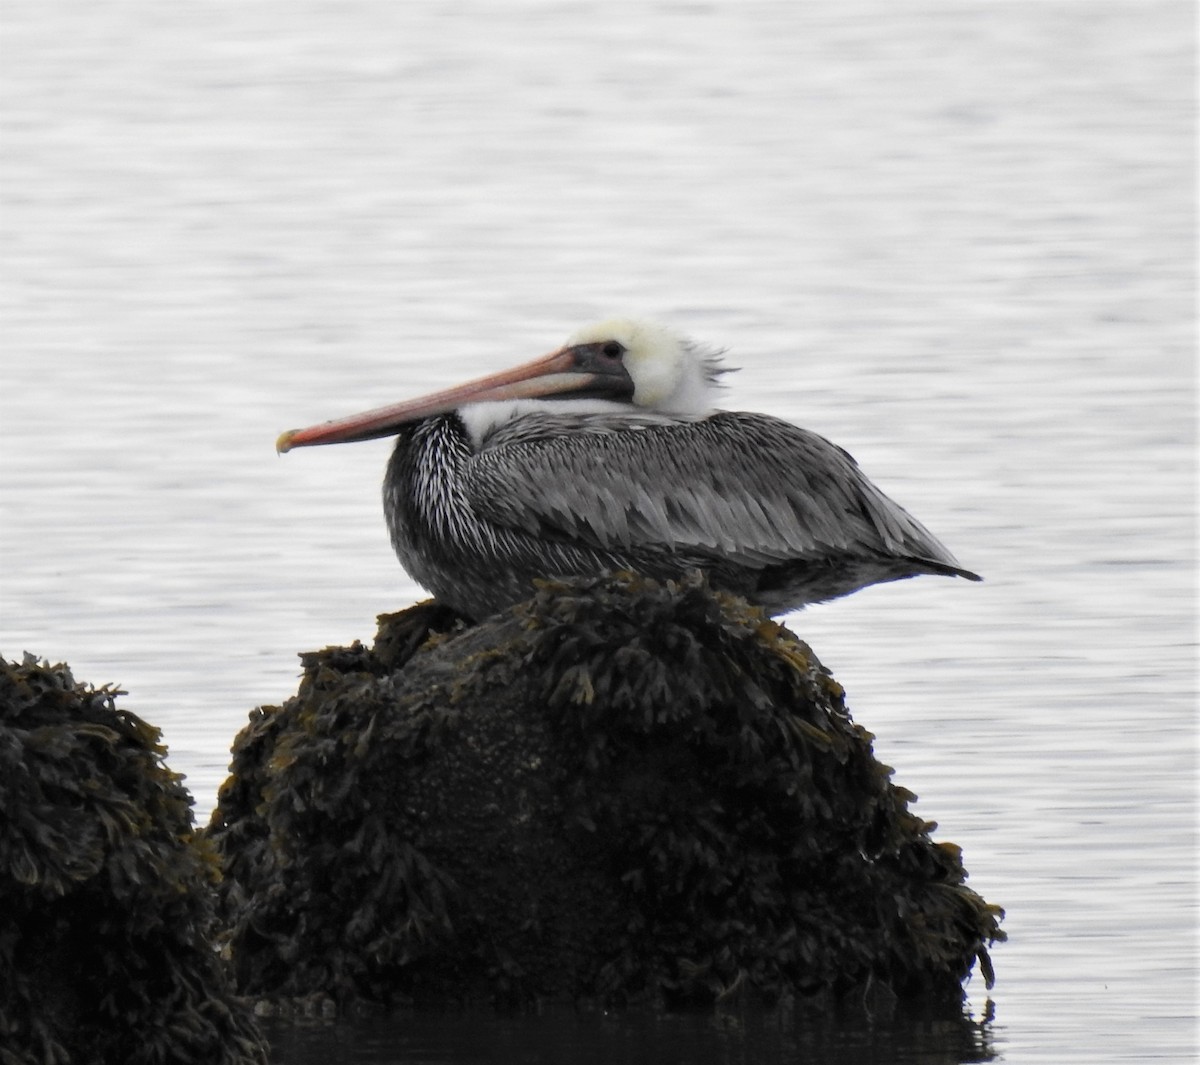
<point x="956" y="238"/>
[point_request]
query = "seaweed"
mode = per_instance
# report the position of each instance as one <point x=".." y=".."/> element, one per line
<point x="623" y="790"/>
<point x="106" y="940"/>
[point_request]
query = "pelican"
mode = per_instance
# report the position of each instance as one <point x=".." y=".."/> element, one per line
<point x="608" y="454"/>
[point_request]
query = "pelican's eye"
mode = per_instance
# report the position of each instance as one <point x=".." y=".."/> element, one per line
<point x="612" y="350"/>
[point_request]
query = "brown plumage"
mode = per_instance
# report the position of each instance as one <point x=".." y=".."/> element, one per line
<point x="494" y="484"/>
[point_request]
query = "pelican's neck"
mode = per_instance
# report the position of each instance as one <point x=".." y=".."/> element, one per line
<point x="481" y="420"/>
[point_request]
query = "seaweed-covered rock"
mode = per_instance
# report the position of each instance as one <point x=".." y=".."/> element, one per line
<point x="106" y="935"/>
<point x="622" y="790"/>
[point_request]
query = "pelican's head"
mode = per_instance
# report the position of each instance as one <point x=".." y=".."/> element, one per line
<point x="669" y="372"/>
<point x="613" y="363"/>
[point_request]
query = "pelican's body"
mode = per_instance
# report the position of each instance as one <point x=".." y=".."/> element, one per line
<point x="495" y="484"/>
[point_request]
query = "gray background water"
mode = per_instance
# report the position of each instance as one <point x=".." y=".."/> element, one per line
<point x="956" y="238"/>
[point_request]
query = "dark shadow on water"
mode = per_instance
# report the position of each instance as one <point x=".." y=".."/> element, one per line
<point x="741" y="1037"/>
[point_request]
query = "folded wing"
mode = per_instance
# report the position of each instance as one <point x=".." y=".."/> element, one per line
<point x="745" y="489"/>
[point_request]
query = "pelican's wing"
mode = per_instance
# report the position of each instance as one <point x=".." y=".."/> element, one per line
<point x="745" y="488"/>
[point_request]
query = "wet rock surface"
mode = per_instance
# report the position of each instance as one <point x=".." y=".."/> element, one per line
<point x="108" y="924"/>
<point x="622" y="791"/>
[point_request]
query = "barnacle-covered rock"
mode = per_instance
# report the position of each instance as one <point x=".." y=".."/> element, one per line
<point x="106" y="934"/>
<point x="622" y="790"/>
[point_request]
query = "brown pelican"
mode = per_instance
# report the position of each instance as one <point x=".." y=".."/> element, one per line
<point x="608" y="455"/>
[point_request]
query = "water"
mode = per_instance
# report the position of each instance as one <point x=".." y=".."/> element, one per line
<point x="599" y="1038"/>
<point x="957" y="239"/>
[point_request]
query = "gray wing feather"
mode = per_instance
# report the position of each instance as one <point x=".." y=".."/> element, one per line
<point x="746" y="488"/>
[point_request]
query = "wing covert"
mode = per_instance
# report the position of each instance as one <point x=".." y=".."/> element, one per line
<point x="744" y="488"/>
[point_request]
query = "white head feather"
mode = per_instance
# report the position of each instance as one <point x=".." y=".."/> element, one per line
<point x="670" y="373"/>
<point x="673" y="378"/>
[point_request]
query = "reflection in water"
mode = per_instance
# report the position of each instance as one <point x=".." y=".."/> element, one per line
<point x="734" y="1037"/>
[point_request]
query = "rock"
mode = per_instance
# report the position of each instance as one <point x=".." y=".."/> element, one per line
<point x="106" y="935"/>
<point x="620" y="791"/>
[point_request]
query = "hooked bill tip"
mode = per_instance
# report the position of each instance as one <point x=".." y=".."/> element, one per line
<point x="284" y="443"/>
